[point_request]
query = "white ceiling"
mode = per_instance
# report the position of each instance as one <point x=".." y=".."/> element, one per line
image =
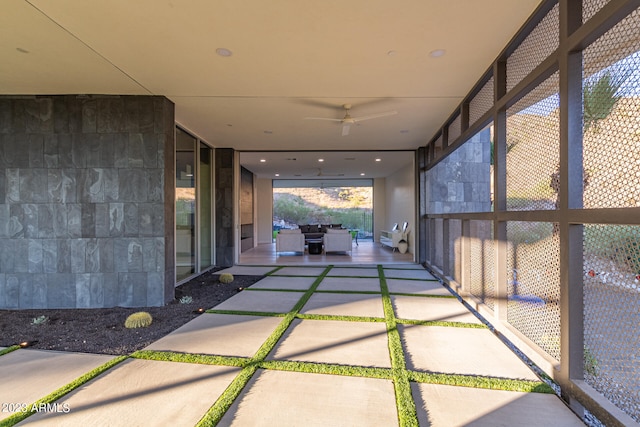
<point x="290" y="59"/>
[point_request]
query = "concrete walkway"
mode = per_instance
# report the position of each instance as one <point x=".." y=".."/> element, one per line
<point x="306" y="346"/>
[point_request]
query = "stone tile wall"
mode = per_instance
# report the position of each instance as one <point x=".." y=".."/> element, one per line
<point x="224" y="206"/>
<point x="86" y="201"/>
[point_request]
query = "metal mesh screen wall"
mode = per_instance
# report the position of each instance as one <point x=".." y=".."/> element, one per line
<point x="438" y="242"/>
<point x="454" y="129"/>
<point x="591" y="7"/>
<point x="612" y="313"/>
<point x="611" y="130"/>
<point x="482" y="102"/>
<point x="539" y="44"/>
<point x="483" y="262"/>
<point x="533" y="277"/>
<point x="533" y="149"/>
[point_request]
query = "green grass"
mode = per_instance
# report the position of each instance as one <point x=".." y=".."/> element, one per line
<point x="246" y="313"/>
<point x="481" y="382"/>
<point x="422" y="295"/>
<point x="201" y="359"/>
<point x="339" y="317"/>
<point x="327" y="369"/>
<point x="52" y="397"/>
<point x="9" y="349"/>
<point x="407" y="414"/>
<point x="442" y="323"/>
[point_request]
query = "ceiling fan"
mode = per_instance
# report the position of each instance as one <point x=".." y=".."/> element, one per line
<point x="328" y="174"/>
<point x="347" y="120"/>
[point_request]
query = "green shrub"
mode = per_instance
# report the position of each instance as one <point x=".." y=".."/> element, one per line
<point x="141" y="319"/>
<point x="39" y="320"/>
<point x="226" y="278"/>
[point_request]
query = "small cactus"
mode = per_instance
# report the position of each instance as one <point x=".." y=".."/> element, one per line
<point x="226" y="278"/>
<point x="187" y="299"/>
<point x="141" y="319"/>
<point x="39" y="320"/>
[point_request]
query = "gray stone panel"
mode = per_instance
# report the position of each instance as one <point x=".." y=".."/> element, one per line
<point x="102" y="220"/>
<point x="88" y="218"/>
<point x="131" y="219"/>
<point x="49" y="256"/>
<point x="5" y="214"/>
<point x="135" y="151"/>
<point x="36" y="256"/>
<point x="83" y="184"/>
<point x="109" y="283"/>
<point x="11" y="291"/>
<point x="116" y="219"/>
<point x="83" y="290"/>
<point x="78" y="255"/>
<point x="61" y="290"/>
<point x="36" y="151"/>
<point x="74" y="220"/>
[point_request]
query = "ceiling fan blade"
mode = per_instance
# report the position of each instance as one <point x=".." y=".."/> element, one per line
<point x="345" y="130"/>
<point x="374" y="116"/>
<point x="323" y="118"/>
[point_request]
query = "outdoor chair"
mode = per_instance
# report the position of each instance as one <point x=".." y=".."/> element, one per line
<point x="290" y="241"/>
<point x="337" y="240"/>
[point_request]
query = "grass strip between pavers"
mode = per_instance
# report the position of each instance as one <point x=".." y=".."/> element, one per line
<point x="442" y="323"/>
<point x="339" y="317"/>
<point x="274" y="270"/>
<point x="476" y="381"/>
<point x="407" y="294"/>
<point x="246" y="313"/>
<point x="224" y="402"/>
<point x="9" y="349"/>
<point x="407" y="413"/>
<point x="201" y="359"/>
<point x="342" y="291"/>
<point x="327" y="369"/>
<point x="50" y="398"/>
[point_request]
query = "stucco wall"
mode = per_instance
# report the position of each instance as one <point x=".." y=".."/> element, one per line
<point x="401" y="202"/>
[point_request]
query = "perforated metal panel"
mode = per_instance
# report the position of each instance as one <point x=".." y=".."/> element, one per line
<point x="612" y="313"/>
<point x="454" y="129"/>
<point x="611" y="134"/>
<point x="455" y="249"/>
<point x="438" y="250"/>
<point x="482" y="262"/>
<point x="591" y="7"/>
<point x="482" y="102"/>
<point x="540" y="43"/>
<point x="533" y="149"/>
<point x="533" y="275"/>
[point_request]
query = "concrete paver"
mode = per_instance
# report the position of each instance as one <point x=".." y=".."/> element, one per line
<point x="247" y="270"/>
<point x="143" y="392"/>
<point x="344" y="304"/>
<point x="299" y="271"/>
<point x="432" y="309"/>
<point x="446" y="406"/>
<point x="291" y="283"/>
<point x="353" y="272"/>
<point x="264" y="301"/>
<point x="29" y="374"/>
<point x="407" y="266"/>
<point x="350" y="284"/>
<point x="419" y="287"/>
<point x="278" y="398"/>
<point x="461" y="351"/>
<point x="408" y="274"/>
<point x="359" y="343"/>
<point x="219" y="334"/>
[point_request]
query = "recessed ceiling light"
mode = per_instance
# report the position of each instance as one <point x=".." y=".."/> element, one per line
<point x="321" y="160"/>
<point x="392" y="53"/>
<point x="277" y="174"/>
<point x="378" y="160"/>
<point x="263" y="160"/>
<point x="223" y="51"/>
<point x="437" y="53"/>
<point x="362" y="174"/>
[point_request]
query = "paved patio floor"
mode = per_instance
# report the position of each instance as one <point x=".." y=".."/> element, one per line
<point x="366" y="346"/>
